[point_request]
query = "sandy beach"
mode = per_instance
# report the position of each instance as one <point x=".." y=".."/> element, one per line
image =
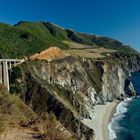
<point x="103" y="115"/>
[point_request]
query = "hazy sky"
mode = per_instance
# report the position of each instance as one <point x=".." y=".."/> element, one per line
<point x="119" y="19"/>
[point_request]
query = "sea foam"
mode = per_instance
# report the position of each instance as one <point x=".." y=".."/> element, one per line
<point x="113" y="126"/>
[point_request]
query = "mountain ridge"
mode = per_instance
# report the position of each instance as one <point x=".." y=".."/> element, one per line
<point x="26" y="38"/>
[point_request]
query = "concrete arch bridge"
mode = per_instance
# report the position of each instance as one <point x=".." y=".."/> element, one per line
<point x="5" y="66"/>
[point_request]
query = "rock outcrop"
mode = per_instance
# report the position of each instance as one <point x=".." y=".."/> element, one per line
<point x="49" y="54"/>
<point x="71" y="87"/>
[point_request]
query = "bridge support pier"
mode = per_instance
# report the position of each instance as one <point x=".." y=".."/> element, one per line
<point x="1" y="81"/>
<point x="5" y="68"/>
<point x="5" y="75"/>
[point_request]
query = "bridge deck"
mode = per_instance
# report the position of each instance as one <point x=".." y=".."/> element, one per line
<point x="11" y="60"/>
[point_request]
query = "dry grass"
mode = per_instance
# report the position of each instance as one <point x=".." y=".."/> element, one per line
<point x="49" y="128"/>
<point x="14" y="114"/>
<point x="86" y="51"/>
<point x="13" y="111"/>
<point x="74" y="45"/>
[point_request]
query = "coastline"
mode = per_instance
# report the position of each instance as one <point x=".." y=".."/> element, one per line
<point x="111" y="110"/>
<point x="102" y="117"/>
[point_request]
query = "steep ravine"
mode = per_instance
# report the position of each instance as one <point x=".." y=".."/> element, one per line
<point x="71" y="87"/>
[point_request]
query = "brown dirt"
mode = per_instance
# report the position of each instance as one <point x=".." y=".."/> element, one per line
<point x="19" y="134"/>
<point x="51" y="53"/>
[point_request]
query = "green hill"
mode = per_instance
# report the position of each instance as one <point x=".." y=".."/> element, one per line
<point x="26" y="38"/>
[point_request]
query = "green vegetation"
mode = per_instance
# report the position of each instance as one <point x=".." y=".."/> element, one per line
<point x="15" y="76"/>
<point x="110" y="43"/>
<point x="27" y="38"/>
<point x="17" y="73"/>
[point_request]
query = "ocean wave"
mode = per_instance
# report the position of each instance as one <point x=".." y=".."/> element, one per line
<point x="138" y="96"/>
<point x="113" y="126"/>
<point x="112" y="133"/>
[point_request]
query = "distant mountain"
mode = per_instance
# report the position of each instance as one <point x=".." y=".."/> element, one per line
<point x="27" y="38"/>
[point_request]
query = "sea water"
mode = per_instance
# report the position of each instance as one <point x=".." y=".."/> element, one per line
<point x="125" y="125"/>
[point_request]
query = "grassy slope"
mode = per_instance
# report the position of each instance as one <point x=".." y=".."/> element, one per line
<point x="13" y="111"/>
<point x="26" y="38"/>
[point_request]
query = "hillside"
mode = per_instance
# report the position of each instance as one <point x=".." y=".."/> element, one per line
<point x="27" y="38"/>
<point x="13" y="112"/>
<point x="56" y="96"/>
<point x="19" y="122"/>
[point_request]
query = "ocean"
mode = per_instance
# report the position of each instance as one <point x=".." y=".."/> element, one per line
<point x="125" y="125"/>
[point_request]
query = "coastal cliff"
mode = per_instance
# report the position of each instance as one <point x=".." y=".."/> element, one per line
<point x="71" y="87"/>
<point x="67" y="73"/>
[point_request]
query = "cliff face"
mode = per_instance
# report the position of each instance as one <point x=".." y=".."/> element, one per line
<point x="128" y="62"/>
<point x="71" y="87"/>
<point x="95" y="81"/>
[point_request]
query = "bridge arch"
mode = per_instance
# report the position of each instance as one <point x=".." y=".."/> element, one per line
<point x="5" y="67"/>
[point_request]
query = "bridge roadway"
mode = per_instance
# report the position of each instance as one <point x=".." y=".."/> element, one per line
<point x="5" y="67"/>
<point x="12" y="60"/>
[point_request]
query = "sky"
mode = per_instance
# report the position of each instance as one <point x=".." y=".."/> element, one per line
<point x="119" y="19"/>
